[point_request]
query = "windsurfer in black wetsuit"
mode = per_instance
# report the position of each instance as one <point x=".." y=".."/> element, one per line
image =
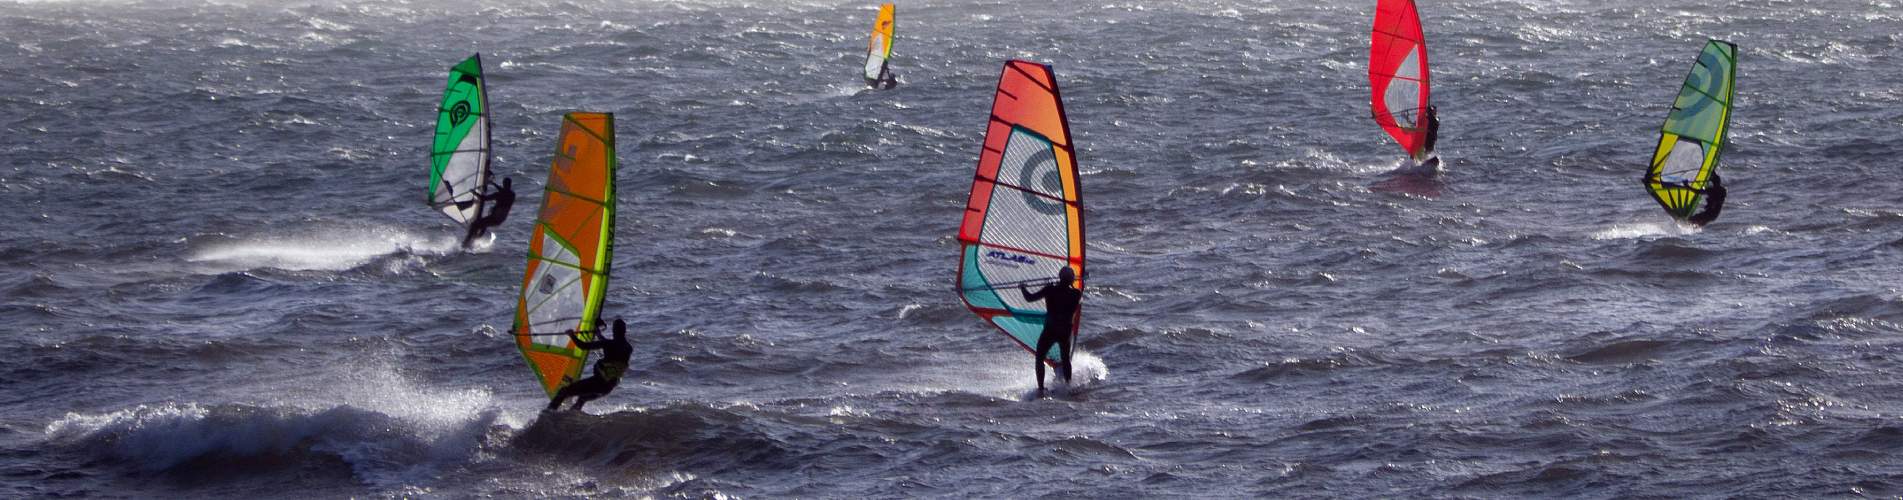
<point x="886" y="79"/>
<point x="1060" y="302"/>
<point x="1429" y="160"/>
<point x="608" y="370"/>
<point x="501" y="200"/>
<point x="1714" y="202"/>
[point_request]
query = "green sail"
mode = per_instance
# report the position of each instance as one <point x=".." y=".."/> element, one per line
<point x="1694" y="132"/>
<point x="459" y="159"/>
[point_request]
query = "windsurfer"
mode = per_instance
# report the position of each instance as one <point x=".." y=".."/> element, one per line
<point x="1431" y="161"/>
<point x="501" y="201"/>
<point x="886" y="79"/>
<point x="1714" y="202"/>
<point x="1426" y="160"/>
<point x="1060" y="303"/>
<point x="614" y="362"/>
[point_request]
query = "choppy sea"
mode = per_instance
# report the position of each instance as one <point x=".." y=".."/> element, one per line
<point x="218" y="278"/>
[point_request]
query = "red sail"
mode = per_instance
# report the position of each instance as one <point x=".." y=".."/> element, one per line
<point x="1397" y="71"/>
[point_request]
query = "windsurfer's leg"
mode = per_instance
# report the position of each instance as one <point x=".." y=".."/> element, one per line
<point x="1063" y="342"/>
<point x="475" y="229"/>
<point x="577" y="389"/>
<point x="479" y="227"/>
<point x="1037" y="364"/>
<point x="1044" y="343"/>
<point x="596" y="390"/>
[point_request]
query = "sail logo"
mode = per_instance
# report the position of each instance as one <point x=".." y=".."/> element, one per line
<point x="458" y="113"/>
<point x="1010" y="259"/>
<point x="1037" y="172"/>
<point x="1708" y="78"/>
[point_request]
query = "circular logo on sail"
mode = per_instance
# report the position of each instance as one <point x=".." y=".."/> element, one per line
<point x="1039" y="173"/>
<point x="1707" y="76"/>
<point x="547" y="285"/>
<point x="458" y="113"/>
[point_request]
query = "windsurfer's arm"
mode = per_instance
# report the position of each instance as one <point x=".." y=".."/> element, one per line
<point x="1682" y="185"/>
<point x="1030" y="296"/>
<point x="583" y="343"/>
<point x="1715" y="184"/>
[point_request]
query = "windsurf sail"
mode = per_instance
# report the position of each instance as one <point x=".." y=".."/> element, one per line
<point x="879" y="50"/>
<point x="459" y="159"/>
<point x="1397" y="71"/>
<point x="1694" y="132"/>
<point x="569" y="251"/>
<point x="1024" y="220"/>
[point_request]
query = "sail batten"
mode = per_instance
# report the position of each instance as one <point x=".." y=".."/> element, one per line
<point x="1693" y="136"/>
<point x="1024" y="218"/>
<point x="571" y="249"/>
<point x="459" y="156"/>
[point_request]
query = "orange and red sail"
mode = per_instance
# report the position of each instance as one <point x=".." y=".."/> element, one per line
<point x="1024" y="219"/>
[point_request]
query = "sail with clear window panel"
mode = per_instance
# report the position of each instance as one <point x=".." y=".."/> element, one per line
<point x="1694" y="132"/>
<point x="1024" y="218"/>
<point x="1397" y="73"/>
<point x="570" y="251"/>
<point x="459" y="157"/>
<point x="879" y="48"/>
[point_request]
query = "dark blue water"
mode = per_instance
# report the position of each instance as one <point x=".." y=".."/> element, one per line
<point x="220" y="279"/>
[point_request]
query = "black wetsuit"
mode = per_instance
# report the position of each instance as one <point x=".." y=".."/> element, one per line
<point x="608" y="371"/>
<point x="1061" y="301"/>
<point x="1714" y="202"/>
<point x="500" y="203"/>
<point x="1433" y="133"/>
<point x="886" y="79"/>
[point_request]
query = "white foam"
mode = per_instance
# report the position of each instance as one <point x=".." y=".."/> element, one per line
<point x="390" y="430"/>
<point x="331" y="249"/>
<point x="1407" y="166"/>
<point x="381" y="387"/>
<point x="1004" y="374"/>
<point x="844" y="90"/>
<point x="1086" y="371"/>
<point x="1644" y="229"/>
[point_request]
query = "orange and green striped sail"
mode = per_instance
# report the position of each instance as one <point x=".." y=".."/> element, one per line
<point x="1024" y="220"/>
<point x="1694" y="132"/>
<point x="570" y="251"/>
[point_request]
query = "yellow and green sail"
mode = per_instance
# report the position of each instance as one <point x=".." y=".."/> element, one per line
<point x="1694" y="132"/>
<point x="459" y="158"/>
<point x="570" y="251"/>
